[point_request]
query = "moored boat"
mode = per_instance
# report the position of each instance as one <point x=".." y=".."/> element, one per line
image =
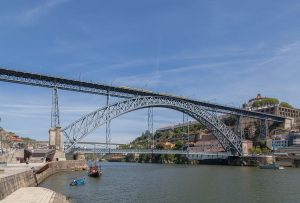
<point x="94" y="168"/>
<point x="273" y="166"/>
<point x="79" y="181"/>
<point x="95" y="171"/>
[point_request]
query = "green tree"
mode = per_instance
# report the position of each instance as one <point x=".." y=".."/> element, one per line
<point x="159" y="146"/>
<point x="230" y="120"/>
<point x="265" y="150"/>
<point x="178" y="145"/>
<point x="285" y="104"/>
<point x="265" y="102"/>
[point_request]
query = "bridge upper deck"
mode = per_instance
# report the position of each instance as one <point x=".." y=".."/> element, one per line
<point x="116" y="91"/>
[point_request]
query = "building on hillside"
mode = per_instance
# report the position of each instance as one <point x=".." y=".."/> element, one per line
<point x="206" y="142"/>
<point x="279" y="111"/>
<point x="165" y="128"/>
<point x="202" y="140"/>
<point x="278" y="144"/>
<point x="172" y="127"/>
<point x="207" y="146"/>
<point x="17" y="141"/>
<point x="275" y="108"/>
<point x="286" y="140"/>
<point x="297" y="123"/>
<point x="167" y="145"/>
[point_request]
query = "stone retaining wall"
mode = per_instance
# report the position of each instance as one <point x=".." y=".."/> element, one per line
<point x="11" y="183"/>
<point x="58" y="166"/>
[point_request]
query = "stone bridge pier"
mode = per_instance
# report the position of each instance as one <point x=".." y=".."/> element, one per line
<point x="56" y="142"/>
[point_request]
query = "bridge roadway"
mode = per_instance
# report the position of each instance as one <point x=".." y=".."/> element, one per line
<point x="83" y="142"/>
<point x="33" y="79"/>
<point x="149" y="151"/>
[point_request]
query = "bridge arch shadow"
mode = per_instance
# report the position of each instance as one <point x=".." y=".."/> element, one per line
<point x="88" y="123"/>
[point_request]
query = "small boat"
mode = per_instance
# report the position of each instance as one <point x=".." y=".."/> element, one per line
<point x="79" y="181"/>
<point x="273" y="166"/>
<point x="95" y="169"/>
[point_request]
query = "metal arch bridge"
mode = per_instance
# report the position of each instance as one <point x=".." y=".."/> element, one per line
<point x="201" y="111"/>
<point x="83" y="126"/>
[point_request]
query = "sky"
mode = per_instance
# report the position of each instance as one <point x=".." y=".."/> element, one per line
<point x="217" y="51"/>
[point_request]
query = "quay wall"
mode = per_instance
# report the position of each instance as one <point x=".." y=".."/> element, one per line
<point x="12" y="183"/>
<point x="58" y="166"/>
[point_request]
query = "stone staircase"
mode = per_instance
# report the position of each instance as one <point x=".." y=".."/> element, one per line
<point x="35" y="195"/>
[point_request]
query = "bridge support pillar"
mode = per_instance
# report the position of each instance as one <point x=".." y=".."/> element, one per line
<point x="78" y="156"/>
<point x="246" y="146"/>
<point x="107" y="129"/>
<point x="55" y="138"/>
<point x="239" y="127"/>
<point x="264" y="129"/>
<point x="56" y="142"/>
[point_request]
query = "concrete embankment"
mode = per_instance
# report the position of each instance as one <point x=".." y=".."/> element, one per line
<point x="28" y="178"/>
<point x="35" y="195"/>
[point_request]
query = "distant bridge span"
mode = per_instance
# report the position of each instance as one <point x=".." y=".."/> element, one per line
<point x="150" y="151"/>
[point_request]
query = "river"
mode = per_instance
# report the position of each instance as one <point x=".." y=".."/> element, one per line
<point x="134" y="182"/>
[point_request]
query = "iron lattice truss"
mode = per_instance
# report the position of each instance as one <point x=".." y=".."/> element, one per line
<point x="88" y="123"/>
<point x="55" y="110"/>
<point x="33" y="79"/>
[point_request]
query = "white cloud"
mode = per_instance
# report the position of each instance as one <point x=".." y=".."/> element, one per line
<point x="33" y="14"/>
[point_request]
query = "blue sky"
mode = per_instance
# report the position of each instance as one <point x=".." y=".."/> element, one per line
<point x="220" y="51"/>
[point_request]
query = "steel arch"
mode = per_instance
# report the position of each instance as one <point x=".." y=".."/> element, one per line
<point x="88" y="123"/>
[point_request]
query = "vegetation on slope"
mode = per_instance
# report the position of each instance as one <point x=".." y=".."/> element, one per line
<point x="265" y="102"/>
<point x="285" y="104"/>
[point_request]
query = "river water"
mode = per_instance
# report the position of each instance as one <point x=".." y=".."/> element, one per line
<point x="134" y="182"/>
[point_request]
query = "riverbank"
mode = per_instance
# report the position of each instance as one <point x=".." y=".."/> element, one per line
<point x="22" y="175"/>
